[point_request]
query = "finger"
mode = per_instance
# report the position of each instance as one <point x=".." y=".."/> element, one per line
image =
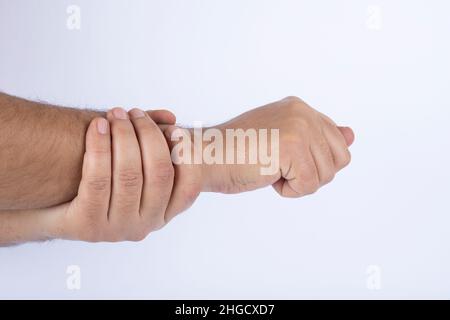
<point x="348" y="134"/>
<point x="187" y="183"/>
<point x="300" y="177"/>
<point x="323" y="158"/>
<point x="95" y="186"/>
<point x="126" y="170"/>
<point x="162" y="116"/>
<point x="338" y="146"/>
<point x="158" y="169"/>
<point x="164" y="127"/>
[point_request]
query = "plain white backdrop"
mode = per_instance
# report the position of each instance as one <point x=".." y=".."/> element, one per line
<point x="380" y="230"/>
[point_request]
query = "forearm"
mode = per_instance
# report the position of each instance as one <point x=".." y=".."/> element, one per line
<point x="41" y="152"/>
<point x="22" y="226"/>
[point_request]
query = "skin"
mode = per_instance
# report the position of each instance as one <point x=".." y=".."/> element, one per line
<point x="129" y="187"/>
<point x="312" y="150"/>
<point x="42" y="148"/>
<point x="125" y="188"/>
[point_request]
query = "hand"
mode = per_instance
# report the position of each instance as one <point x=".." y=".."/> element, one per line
<point x="312" y="149"/>
<point x="126" y="182"/>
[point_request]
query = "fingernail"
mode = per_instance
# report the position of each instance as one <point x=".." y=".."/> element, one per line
<point x="137" y="113"/>
<point x="102" y="126"/>
<point x="120" y="113"/>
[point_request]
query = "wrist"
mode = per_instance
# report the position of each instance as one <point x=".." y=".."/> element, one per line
<point x="212" y="174"/>
<point x="20" y="226"/>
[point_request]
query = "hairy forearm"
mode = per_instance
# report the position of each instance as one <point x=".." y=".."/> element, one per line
<point x="41" y="152"/>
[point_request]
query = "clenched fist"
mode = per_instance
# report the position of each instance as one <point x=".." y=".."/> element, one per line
<point x="310" y="146"/>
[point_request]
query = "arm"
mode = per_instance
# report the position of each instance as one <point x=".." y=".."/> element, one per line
<point x="41" y="152"/>
<point x="310" y="150"/>
<point x="20" y="226"/>
<point x="125" y="187"/>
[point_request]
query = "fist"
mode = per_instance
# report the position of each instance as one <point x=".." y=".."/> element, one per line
<point x="311" y="148"/>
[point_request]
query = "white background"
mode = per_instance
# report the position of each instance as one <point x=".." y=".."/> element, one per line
<point x="387" y="76"/>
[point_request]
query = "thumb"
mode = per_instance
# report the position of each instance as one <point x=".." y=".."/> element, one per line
<point x="348" y="134"/>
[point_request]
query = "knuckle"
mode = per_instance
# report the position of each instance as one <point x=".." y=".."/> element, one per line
<point x="294" y="103"/>
<point x="348" y="158"/>
<point x="190" y="194"/>
<point x="130" y="178"/>
<point x="309" y="182"/>
<point x="99" y="183"/>
<point x="114" y="234"/>
<point x="163" y="172"/>
<point x="122" y="129"/>
<point x="293" y="99"/>
<point x="193" y="192"/>
<point x="99" y="150"/>
<point x="344" y="160"/>
<point x="138" y="236"/>
<point x="328" y="178"/>
<point x="311" y="188"/>
<point x="157" y="224"/>
<point x="143" y="127"/>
